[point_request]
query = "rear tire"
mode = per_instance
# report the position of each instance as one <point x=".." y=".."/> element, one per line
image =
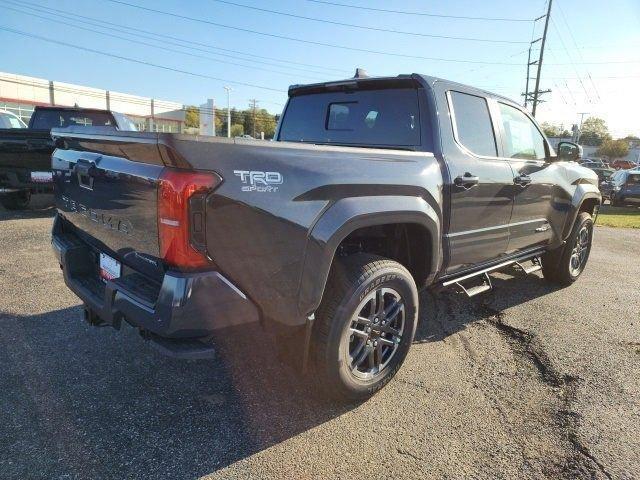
<point x="565" y="264"/>
<point x="16" y="201"/>
<point x="364" y="326"/>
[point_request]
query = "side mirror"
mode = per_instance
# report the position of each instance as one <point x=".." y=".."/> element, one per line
<point x="569" y="151"/>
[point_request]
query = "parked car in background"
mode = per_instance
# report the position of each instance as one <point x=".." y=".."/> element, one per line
<point x="25" y="151"/>
<point x="625" y="188"/>
<point x="373" y="189"/>
<point x="594" y="162"/>
<point x="622" y="164"/>
<point x="604" y="179"/>
<point x="9" y="120"/>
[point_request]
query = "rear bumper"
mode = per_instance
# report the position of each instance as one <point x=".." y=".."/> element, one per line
<point x="182" y="306"/>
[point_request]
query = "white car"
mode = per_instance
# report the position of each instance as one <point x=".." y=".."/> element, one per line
<point x="9" y="120"/>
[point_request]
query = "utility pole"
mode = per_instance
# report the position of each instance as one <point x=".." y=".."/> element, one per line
<point x="527" y="95"/>
<point x="579" y="132"/>
<point x="253" y="102"/>
<point x="228" y="89"/>
<point x="537" y="92"/>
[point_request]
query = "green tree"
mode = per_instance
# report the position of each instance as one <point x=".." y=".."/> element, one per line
<point x="237" y="129"/>
<point x="265" y="122"/>
<point x="221" y="128"/>
<point x="554" y="130"/>
<point x="614" y="148"/>
<point x="236" y="117"/>
<point x="594" y="132"/>
<point x="192" y="116"/>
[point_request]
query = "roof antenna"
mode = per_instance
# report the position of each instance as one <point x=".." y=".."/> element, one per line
<point x="361" y="73"/>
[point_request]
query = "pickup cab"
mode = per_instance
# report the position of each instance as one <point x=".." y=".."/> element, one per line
<point x="374" y="189"/>
<point x="25" y="153"/>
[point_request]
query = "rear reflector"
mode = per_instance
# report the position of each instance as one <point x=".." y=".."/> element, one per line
<point x="176" y="189"/>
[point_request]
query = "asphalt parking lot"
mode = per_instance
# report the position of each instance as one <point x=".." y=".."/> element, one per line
<point x="528" y="381"/>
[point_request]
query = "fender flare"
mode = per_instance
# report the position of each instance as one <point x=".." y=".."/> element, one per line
<point x="584" y="191"/>
<point x="349" y="214"/>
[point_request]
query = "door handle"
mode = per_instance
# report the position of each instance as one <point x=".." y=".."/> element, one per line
<point x="466" y="181"/>
<point x="522" y="180"/>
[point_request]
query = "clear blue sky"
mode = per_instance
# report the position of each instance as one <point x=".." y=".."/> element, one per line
<point x="599" y="32"/>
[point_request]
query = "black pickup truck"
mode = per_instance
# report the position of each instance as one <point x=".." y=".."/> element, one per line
<point x="25" y="153"/>
<point x="374" y="189"/>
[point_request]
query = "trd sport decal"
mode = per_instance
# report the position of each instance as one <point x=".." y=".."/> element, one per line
<point x="255" y="181"/>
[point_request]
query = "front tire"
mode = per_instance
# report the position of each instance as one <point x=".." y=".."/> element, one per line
<point x="364" y="326"/>
<point x="565" y="264"/>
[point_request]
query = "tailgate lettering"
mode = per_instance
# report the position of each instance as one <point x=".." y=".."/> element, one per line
<point x="107" y="220"/>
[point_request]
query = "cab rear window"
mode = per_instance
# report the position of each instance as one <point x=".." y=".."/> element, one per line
<point x="386" y="117"/>
<point x="46" y="119"/>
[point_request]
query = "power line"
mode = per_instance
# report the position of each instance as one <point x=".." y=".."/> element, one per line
<point x="124" y="98"/>
<point x="555" y="27"/>
<point x="575" y="44"/>
<point x="310" y="42"/>
<point x="364" y="27"/>
<point x="342" y="47"/>
<point x="162" y="47"/>
<point x="146" y="102"/>
<point x="134" y="60"/>
<point x="190" y="43"/>
<point x="423" y="14"/>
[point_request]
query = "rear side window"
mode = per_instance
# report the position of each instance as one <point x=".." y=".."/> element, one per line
<point x="473" y="124"/>
<point x="385" y="117"/>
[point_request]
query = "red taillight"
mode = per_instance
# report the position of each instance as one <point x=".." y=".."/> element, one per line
<point x="179" y="193"/>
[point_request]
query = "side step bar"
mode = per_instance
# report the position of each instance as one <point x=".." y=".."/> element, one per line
<point x="183" y="349"/>
<point x="486" y="285"/>
<point x="536" y="265"/>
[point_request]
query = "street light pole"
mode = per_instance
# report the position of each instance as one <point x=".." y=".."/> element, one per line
<point x="228" y="89"/>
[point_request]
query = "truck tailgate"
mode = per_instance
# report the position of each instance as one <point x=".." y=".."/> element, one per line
<point x="112" y="199"/>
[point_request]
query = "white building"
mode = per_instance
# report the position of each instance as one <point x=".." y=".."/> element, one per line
<point x="19" y="94"/>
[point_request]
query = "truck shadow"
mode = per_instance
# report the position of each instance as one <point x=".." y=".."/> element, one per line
<point x="444" y="313"/>
<point x="95" y="403"/>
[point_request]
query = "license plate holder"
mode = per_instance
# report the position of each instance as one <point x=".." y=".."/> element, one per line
<point x="110" y="268"/>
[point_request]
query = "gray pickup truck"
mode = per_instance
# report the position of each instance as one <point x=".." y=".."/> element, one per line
<point x="374" y="189"/>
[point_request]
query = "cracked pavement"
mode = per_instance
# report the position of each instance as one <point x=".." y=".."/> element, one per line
<point x="527" y="381"/>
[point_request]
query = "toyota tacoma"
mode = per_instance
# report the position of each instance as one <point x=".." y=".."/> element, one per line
<point x="374" y="189"/>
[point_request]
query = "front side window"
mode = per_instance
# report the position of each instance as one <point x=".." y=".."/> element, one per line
<point x="522" y="139"/>
<point x="473" y="124"/>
